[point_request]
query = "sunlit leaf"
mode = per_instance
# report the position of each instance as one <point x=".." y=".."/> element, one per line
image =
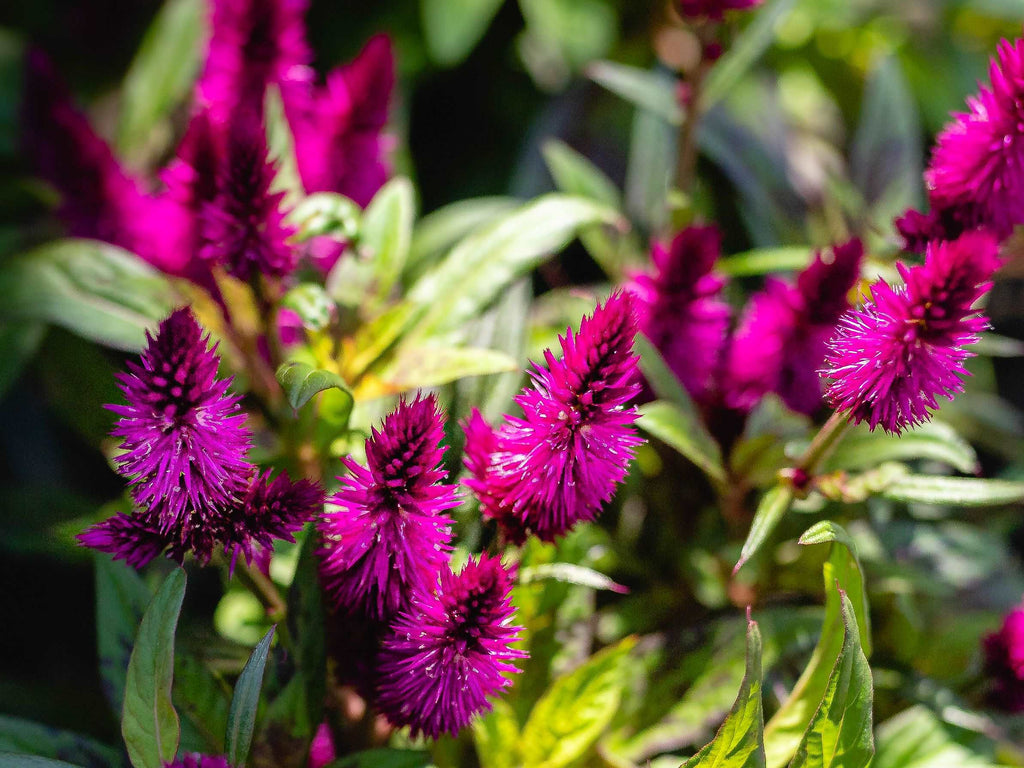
<point x="570" y="573"/>
<point x="439" y="230"/>
<point x="763" y="261"/>
<point x="149" y="723"/>
<point x="497" y="738"/>
<point x="685" y="433"/>
<point x="452" y="28"/>
<point x="918" y="738"/>
<point x="326" y="213"/>
<point x="933" y="441"/>
<point x="773" y="506"/>
<point x="387" y="232"/>
<point x="958" y="491"/>
<point x="301" y="382"/>
<point x="643" y="88"/>
<point x="431" y="366"/>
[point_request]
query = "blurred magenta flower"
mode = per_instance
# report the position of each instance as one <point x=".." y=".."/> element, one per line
<point x="338" y="126"/>
<point x="321" y="750"/>
<point x="1004" y="662"/>
<point x="450" y="650"/>
<point x="892" y="358"/>
<point x="387" y="534"/>
<point x="976" y="175"/>
<point x="561" y="462"/>
<point x="679" y="306"/>
<point x="781" y="340"/>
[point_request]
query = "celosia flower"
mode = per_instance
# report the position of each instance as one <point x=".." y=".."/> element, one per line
<point x="242" y="228"/>
<point x="560" y="463"/>
<point x="270" y="510"/>
<point x="195" y="760"/>
<point x="782" y="338"/>
<point x="894" y="356"/>
<point x="976" y="175"/>
<point x="1004" y="662"/>
<point x="321" y="750"/>
<point x="713" y="9"/>
<point x="137" y="539"/>
<point x="338" y="126"/>
<point x="449" y="651"/>
<point x="387" y="534"/>
<point x="253" y="44"/>
<point x="679" y="308"/>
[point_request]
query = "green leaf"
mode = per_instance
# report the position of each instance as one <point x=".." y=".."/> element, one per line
<point x="685" y="433"/>
<point x="387" y="232"/>
<point x="18" y="343"/>
<point x="384" y="758"/>
<point x="958" y="491"/>
<point x="843" y="566"/>
<point x="94" y="289"/>
<point x="10" y="760"/>
<point x="246" y="699"/>
<point x="432" y="366"/>
<point x="161" y="73"/>
<point x="486" y="261"/>
<point x="645" y="89"/>
<point x="784" y="732"/>
<point x="374" y="338"/>
<point x="574" y="174"/>
<point x="202" y="701"/>
<point x="840" y="733"/>
<point x="121" y="600"/>
<point x="565" y="35"/>
<point x="652" y="161"/>
<point x="149" y="724"/>
<point x="281" y="145"/>
<point x="739" y="743"/>
<point x="934" y="441"/>
<point x="996" y="345"/>
<point x="312" y="304"/>
<point x="452" y="28"/>
<point x="497" y="738"/>
<point x="573" y="713"/>
<point x="919" y="738"/>
<point x="763" y="261"/>
<point x="326" y="213"/>
<point x="570" y="573"/>
<point x="773" y="507"/>
<point x="301" y="382"/>
<point x="438" y="231"/>
<point x="666" y="385"/>
<point x="744" y="52"/>
<point x="28" y="738"/>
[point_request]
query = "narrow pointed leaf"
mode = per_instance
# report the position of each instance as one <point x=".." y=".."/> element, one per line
<point x="762" y="261"/>
<point x="686" y="434"/>
<point x="12" y="760"/>
<point x="149" y="724"/>
<point x="452" y="28"/>
<point x="739" y="743"/>
<point x="439" y="230"/>
<point x="387" y="232"/>
<point x="327" y="213"/>
<point x="934" y="441"/>
<point x="957" y="491"/>
<point x="121" y="600"/>
<point x="640" y="87"/>
<point x="242" y="716"/>
<point x="302" y="381"/>
<point x="773" y="507"/>
<point x="432" y="366"/>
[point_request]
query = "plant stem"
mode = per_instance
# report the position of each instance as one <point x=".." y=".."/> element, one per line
<point x="270" y="598"/>
<point x="824" y="442"/>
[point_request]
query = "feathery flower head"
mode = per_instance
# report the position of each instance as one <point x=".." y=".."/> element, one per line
<point x="782" y="338"/>
<point x="679" y="308"/>
<point x="242" y="227"/>
<point x="976" y="175"/>
<point x="387" y="534"/>
<point x="195" y="760"/>
<point x="137" y="539"/>
<point x="450" y="650"/>
<point x="713" y="9"/>
<point x="338" y="126"/>
<point x="1004" y="662"/>
<point x="184" y="438"/>
<point x="561" y="462"/>
<point x="270" y="510"/>
<point x="253" y="43"/>
<point x="890" y="359"/>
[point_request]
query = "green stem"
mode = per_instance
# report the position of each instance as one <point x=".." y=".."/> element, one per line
<point x="824" y="442"/>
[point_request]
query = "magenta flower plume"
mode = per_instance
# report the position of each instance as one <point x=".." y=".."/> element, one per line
<point x="387" y="534"/>
<point x="195" y="760"/>
<point x="976" y="175"/>
<point x="242" y="228"/>
<point x="338" y="126"/>
<point x="184" y="438"/>
<point x="1004" y="662"/>
<point x="561" y="462"/>
<point x="253" y="44"/>
<point x="449" y="651"/>
<point x="894" y="356"/>
<point x="782" y="338"/>
<point x="137" y="539"/>
<point x="713" y="9"/>
<point x="679" y="306"/>
<point x="270" y="510"/>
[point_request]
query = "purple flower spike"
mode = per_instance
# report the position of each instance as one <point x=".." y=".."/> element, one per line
<point x="560" y="463"/>
<point x="136" y="539"/>
<point x="1004" y="662"/>
<point x="450" y="651"/>
<point x="976" y="175"/>
<point x="679" y="306"/>
<point x="782" y="338"/>
<point x="891" y="358"/>
<point x="387" y="535"/>
<point x="338" y="126"/>
<point x="184" y="437"/>
<point x="270" y="510"/>
<point x="195" y="760"/>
